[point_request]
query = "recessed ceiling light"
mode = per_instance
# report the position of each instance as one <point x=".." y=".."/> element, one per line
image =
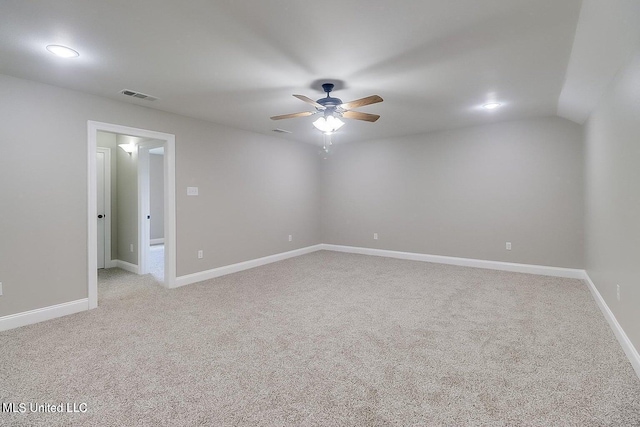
<point x="491" y="105"/>
<point x="62" y="51"/>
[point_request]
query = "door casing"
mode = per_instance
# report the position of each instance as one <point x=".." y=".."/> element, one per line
<point x="170" y="201"/>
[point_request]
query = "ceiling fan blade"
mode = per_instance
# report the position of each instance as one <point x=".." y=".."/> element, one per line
<point x="291" y="116"/>
<point x="360" y="116"/>
<point x="373" y="99"/>
<point x="309" y="101"/>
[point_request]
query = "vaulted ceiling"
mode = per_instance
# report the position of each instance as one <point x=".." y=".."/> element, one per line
<point x="238" y="62"/>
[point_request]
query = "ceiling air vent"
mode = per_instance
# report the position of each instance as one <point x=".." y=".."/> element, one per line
<point x="139" y="95"/>
<point x="281" y="131"/>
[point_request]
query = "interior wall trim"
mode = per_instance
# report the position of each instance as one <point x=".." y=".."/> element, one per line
<point x="571" y="273"/>
<point x="126" y="266"/>
<point x="245" y="265"/>
<point x="41" y="314"/>
<point x="623" y="339"/>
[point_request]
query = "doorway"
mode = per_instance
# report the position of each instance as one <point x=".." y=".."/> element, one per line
<point x="151" y="183"/>
<point x="141" y="150"/>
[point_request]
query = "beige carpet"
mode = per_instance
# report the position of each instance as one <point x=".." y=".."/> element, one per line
<point x="328" y="339"/>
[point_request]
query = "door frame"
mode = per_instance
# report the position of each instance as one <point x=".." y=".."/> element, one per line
<point x="108" y="262"/>
<point x="170" y="202"/>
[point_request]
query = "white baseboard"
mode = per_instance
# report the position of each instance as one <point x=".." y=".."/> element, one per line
<point x="159" y="241"/>
<point x="111" y="263"/>
<point x="466" y="262"/>
<point x="234" y="268"/>
<point x="126" y="266"/>
<point x="623" y="339"/>
<point x="542" y="270"/>
<point x="42" y="314"/>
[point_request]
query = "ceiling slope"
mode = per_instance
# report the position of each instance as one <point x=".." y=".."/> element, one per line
<point x="607" y="34"/>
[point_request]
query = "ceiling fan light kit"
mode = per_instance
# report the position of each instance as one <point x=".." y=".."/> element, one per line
<point x="328" y="125"/>
<point x="333" y="109"/>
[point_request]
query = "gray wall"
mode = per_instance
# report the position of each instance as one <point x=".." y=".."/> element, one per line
<point x="254" y="191"/>
<point x="612" y="176"/>
<point x="127" y="196"/>
<point x="252" y="196"/>
<point x="108" y="140"/>
<point x="156" y="195"/>
<point x="463" y="193"/>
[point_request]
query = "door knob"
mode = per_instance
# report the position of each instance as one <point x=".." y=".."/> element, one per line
<point x="100" y="216"/>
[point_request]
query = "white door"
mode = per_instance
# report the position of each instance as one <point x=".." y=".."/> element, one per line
<point x="100" y="165"/>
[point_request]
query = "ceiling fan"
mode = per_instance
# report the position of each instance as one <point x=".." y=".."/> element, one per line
<point x="332" y="109"/>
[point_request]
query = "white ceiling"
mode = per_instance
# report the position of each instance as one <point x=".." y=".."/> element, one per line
<point x="238" y="62"/>
<point x="607" y="35"/>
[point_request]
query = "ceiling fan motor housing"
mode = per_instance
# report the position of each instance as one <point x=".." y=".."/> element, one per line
<point x="328" y="102"/>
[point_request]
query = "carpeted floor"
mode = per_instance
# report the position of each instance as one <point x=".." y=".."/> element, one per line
<point x="328" y="339"/>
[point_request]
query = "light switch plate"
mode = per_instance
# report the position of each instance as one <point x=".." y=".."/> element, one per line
<point x="192" y="191"/>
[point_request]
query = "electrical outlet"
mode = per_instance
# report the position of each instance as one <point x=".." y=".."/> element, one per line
<point x="508" y="246"/>
<point x="375" y="236"/>
<point x="0" y="289"/>
<point x="618" y="292"/>
<point x="290" y="237"/>
<point x="200" y="254"/>
<point x="131" y="247"/>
